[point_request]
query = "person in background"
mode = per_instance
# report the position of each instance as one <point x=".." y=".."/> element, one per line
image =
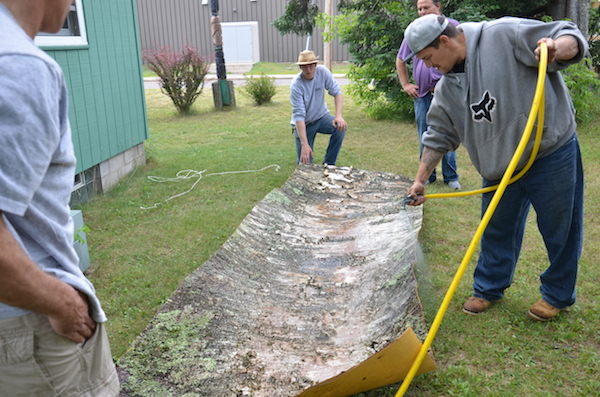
<point x="310" y="114"/>
<point x="489" y="120"/>
<point x="52" y="338"/>
<point x="422" y="91"/>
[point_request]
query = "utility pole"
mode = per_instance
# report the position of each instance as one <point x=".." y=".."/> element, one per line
<point x="309" y="35"/>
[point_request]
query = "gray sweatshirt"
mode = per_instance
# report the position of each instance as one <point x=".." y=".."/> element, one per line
<point x="486" y="107"/>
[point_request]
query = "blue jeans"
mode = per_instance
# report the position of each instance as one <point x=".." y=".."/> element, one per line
<point x="324" y="126"/>
<point x="554" y="186"/>
<point x="449" y="166"/>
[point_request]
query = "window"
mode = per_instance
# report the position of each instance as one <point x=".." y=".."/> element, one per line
<point x="79" y="181"/>
<point x="71" y="34"/>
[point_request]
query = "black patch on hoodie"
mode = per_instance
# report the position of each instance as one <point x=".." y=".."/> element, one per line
<point x="483" y="110"/>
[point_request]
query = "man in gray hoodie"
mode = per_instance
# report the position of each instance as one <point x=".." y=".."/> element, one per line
<point x="482" y="101"/>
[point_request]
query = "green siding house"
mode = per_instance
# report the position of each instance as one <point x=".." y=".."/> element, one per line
<point x="99" y="52"/>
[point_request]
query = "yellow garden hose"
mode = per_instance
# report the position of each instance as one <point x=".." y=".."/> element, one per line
<point x="537" y="110"/>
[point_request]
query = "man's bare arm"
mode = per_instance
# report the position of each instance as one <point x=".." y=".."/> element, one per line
<point x="24" y="285"/>
<point x="563" y="48"/>
<point x="411" y="89"/>
<point x="306" y="151"/>
<point x="338" y="122"/>
<point x="429" y="160"/>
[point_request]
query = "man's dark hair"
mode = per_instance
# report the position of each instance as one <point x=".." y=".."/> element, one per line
<point x="450" y="31"/>
<point x="434" y="2"/>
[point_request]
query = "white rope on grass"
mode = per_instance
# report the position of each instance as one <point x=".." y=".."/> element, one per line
<point x="189" y="174"/>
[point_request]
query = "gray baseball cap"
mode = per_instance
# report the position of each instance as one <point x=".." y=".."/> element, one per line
<point x="423" y="31"/>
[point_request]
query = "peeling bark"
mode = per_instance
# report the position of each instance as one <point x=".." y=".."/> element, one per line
<point x="316" y="279"/>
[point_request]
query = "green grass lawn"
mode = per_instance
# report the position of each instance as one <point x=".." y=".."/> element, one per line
<point x="140" y="256"/>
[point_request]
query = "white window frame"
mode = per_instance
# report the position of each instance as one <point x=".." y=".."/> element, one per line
<point x="79" y="181"/>
<point x="53" y="40"/>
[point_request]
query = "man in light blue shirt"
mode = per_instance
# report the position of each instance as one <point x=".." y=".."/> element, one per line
<point x="52" y="338"/>
<point x="310" y="114"/>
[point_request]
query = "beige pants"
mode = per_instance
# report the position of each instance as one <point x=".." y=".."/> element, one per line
<point x="36" y="361"/>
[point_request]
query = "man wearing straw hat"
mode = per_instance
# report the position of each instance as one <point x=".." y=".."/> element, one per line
<point x="477" y="106"/>
<point x="310" y="114"/>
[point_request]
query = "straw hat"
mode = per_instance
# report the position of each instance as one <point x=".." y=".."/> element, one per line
<point x="306" y="58"/>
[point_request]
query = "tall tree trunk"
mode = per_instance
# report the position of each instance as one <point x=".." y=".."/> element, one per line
<point x="575" y="10"/>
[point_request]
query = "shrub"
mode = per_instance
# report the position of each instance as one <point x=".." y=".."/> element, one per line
<point x="373" y="35"/>
<point x="594" y="38"/>
<point x="261" y="89"/>
<point x="181" y="74"/>
<point x="583" y="86"/>
<point x="377" y="88"/>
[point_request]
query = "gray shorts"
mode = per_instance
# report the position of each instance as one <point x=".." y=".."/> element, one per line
<point x="36" y="361"/>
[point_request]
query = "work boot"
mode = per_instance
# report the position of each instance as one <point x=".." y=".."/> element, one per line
<point x="474" y="305"/>
<point x="542" y="311"/>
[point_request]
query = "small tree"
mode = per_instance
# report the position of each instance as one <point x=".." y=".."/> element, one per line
<point x="181" y="74"/>
<point x="299" y="18"/>
<point x="373" y="33"/>
<point x="261" y="89"/>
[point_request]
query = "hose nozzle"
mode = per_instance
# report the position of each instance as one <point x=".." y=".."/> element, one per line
<point x="407" y="199"/>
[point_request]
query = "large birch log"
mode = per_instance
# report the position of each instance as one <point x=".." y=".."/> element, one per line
<point x="317" y="278"/>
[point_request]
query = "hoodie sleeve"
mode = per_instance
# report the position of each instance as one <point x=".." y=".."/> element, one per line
<point x="529" y="32"/>
<point x="442" y="132"/>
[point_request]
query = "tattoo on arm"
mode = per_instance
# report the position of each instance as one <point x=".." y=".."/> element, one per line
<point x="431" y="158"/>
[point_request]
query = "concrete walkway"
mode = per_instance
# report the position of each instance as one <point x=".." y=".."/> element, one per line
<point x="240" y="79"/>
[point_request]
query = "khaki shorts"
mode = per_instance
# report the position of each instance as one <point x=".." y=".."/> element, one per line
<point x="36" y="361"/>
